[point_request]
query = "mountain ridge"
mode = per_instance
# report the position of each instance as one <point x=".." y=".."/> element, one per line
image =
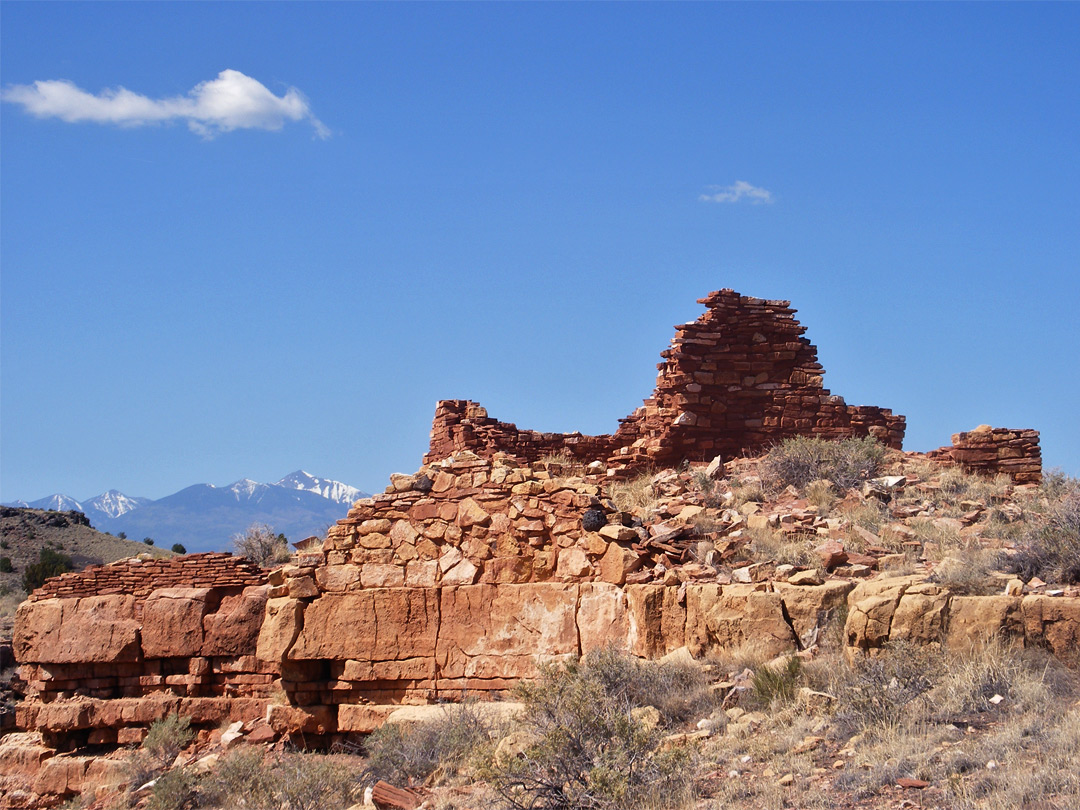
<point x="204" y="517"/>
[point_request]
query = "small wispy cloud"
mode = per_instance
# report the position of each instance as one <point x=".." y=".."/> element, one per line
<point x="231" y="101"/>
<point x="737" y="192"/>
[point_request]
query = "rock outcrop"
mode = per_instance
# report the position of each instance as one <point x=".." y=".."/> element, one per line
<point x="737" y="380"/>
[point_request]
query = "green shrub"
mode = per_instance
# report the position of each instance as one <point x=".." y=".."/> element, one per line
<point x="777" y="683"/>
<point x="168" y="737"/>
<point x="241" y="779"/>
<point x="798" y="461"/>
<point x="406" y="753"/>
<point x="5" y="565"/>
<point x="51" y="563"/>
<point x="148" y="540"/>
<point x="311" y="782"/>
<point x="178" y="548"/>
<point x="174" y="790"/>
<point x="589" y="752"/>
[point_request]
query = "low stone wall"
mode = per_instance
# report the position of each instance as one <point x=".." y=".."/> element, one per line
<point x="138" y="578"/>
<point x="164" y="644"/>
<point x="987" y="450"/>
<point x="735" y="381"/>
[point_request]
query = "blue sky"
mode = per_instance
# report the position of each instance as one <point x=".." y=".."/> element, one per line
<point x="242" y="274"/>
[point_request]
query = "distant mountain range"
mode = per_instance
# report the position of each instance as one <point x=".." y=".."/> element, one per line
<point x="204" y="517"/>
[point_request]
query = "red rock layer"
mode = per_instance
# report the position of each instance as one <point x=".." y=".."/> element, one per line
<point x="738" y="379"/>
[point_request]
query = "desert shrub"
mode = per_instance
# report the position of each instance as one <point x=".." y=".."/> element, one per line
<point x="589" y="751"/>
<point x="822" y="494"/>
<point x="5" y="565"/>
<point x="970" y="571"/>
<point x="240" y="780"/>
<point x="312" y="782"/>
<point x="178" y="548"/>
<point x="148" y="541"/>
<point x="1050" y="550"/>
<point x="51" y="563"/>
<point x="777" y="683"/>
<point x="405" y="753"/>
<point x="768" y="545"/>
<point x="634" y="495"/>
<point x="174" y="790"/>
<point x="882" y="690"/>
<point x="261" y="545"/>
<point x="799" y="460"/>
<point x="168" y="737"/>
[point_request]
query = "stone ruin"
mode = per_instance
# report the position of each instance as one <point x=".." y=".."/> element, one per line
<point x="459" y="579"/>
<point x="734" y="382"/>
<point x="993" y="451"/>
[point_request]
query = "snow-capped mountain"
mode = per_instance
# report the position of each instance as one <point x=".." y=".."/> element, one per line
<point x="204" y="517"/>
<point x="245" y="489"/>
<point x="55" y="503"/>
<point x="334" y="490"/>
<point x="111" y="504"/>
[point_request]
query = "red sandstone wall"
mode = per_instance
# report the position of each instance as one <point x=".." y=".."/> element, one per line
<point x="464" y="425"/>
<point x="987" y="450"/>
<point x="738" y="379"/>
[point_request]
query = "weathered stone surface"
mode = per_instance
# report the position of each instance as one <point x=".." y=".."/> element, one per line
<point x="173" y="622"/>
<point x="746" y="613"/>
<point x="974" y="620"/>
<point x="233" y="629"/>
<point x="497" y="632"/>
<point x="617" y="562"/>
<point x="602" y="619"/>
<point x="920" y="615"/>
<point x="280" y="628"/>
<point x="22" y="754"/>
<point x="61" y="775"/>
<point x="810" y="606"/>
<point x="83" y="630"/>
<point x="870" y="611"/>
<point x="1053" y="622"/>
<point x="372" y="625"/>
<point x="657" y="620"/>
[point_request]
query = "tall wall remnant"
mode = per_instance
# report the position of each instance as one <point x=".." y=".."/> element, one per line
<point x="738" y="379"/>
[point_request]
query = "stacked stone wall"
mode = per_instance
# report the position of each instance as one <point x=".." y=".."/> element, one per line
<point x="125" y="632"/>
<point x="139" y="578"/>
<point x="737" y="380"/>
<point x="460" y="424"/>
<point x="990" y="451"/>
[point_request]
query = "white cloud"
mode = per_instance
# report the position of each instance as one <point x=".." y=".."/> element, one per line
<point x="231" y="101"/>
<point x="740" y="190"/>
